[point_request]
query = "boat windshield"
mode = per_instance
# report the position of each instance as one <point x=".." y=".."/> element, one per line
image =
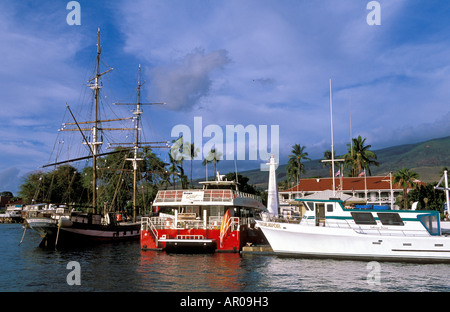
<point x="430" y="222"/>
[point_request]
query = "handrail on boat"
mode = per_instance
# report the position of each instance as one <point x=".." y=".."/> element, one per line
<point x="209" y="195"/>
<point x="147" y="223"/>
<point x="214" y="222"/>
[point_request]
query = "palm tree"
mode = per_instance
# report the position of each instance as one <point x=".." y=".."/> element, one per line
<point x="295" y="165"/>
<point x="406" y="179"/>
<point x="179" y="152"/>
<point x="205" y="163"/>
<point x="214" y="156"/>
<point x="173" y="169"/>
<point x="359" y="156"/>
<point x="192" y="152"/>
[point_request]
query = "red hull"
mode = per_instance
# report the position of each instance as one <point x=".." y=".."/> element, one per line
<point x="195" y="239"/>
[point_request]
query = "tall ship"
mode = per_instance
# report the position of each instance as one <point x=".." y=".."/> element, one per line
<point x="98" y="223"/>
<point x="216" y="218"/>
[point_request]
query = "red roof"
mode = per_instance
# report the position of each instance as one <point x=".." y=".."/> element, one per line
<point x="350" y="184"/>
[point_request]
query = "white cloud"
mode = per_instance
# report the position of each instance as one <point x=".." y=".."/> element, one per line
<point x="184" y="83"/>
<point x="10" y="179"/>
<point x="238" y="62"/>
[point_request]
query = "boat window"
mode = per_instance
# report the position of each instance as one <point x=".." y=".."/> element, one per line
<point x="363" y="218"/>
<point x="310" y="205"/>
<point x="430" y="222"/>
<point x="329" y="207"/>
<point x="390" y="218"/>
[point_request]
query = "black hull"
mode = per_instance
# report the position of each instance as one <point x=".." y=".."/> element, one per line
<point x="81" y="234"/>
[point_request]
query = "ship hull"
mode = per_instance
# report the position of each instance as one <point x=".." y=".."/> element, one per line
<point x="323" y="242"/>
<point x="43" y="225"/>
<point x="80" y="234"/>
<point x="199" y="240"/>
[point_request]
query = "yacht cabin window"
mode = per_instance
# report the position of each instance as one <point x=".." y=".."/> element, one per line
<point x="390" y="218"/>
<point x="309" y="206"/>
<point x="329" y="207"/>
<point x="364" y="218"/>
<point x="430" y="222"/>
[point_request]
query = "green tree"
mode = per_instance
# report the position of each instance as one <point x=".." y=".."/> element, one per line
<point x="192" y="152"/>
<point x="115" y="184"/>
<point x="427" y="197"/>
<point x="63" y="185"/>
<point x="34" y="187"/>
<point x="406" y="179"/>
<point x="205" y="163"/>
<point x="360" y="156"/>
<point x="214" y="156"/>
<point x="295" y="166"/>
<point x="243" y="185"/>
<point x="179" y="151"/>
<point x="7" y="194"/>
<point x="173" y="169"/>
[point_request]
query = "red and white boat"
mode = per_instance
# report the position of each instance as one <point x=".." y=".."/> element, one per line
<point x="217" y="218"/>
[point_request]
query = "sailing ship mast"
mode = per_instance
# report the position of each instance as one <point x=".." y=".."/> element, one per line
<point x="137" y="113"/>
<point x="94" y="145"/>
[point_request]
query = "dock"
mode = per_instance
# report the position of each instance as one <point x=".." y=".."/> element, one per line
<point x="6" y="218"/>
<point x="260" y="249"/>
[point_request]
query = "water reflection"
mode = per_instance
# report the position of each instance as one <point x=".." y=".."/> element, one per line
<point x="190" y="272"/>
<point x="124" y="267"/>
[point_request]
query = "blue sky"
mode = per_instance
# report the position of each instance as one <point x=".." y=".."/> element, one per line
<point x="249" y="62"/>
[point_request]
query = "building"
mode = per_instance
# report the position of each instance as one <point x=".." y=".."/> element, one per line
<point x="3" y="201"/>
<point x="371" y="190"/>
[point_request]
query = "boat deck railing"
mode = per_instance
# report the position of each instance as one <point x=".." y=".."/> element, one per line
<point x="214" y="222"/>
<point x="346" y="224"/>
<point x="209" y="195"/>
<point x="46" y="214"/>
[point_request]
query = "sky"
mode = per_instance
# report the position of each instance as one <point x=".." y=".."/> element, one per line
<point x="253" y="63"/>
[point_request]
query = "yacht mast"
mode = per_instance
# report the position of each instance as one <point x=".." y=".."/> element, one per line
<point x="332" y="142"/>
<point x="332" y="160"/>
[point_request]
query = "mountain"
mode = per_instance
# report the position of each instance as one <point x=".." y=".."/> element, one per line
<point x="426" y="158"/>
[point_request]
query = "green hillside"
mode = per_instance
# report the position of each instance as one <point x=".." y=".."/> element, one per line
<point x="426" y="158"/>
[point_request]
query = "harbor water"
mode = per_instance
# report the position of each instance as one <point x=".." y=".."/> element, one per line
<point x="123" y="267"/>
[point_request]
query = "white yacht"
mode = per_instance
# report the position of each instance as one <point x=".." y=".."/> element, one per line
<point x="329" y="229"/>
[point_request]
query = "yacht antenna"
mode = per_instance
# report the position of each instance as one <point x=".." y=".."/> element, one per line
<point x="332" y="145"/>
<point x="446" y="189"/>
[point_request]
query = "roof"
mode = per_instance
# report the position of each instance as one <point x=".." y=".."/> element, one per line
<point x="325" y="195"/>
<point x="349" y="184"/>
